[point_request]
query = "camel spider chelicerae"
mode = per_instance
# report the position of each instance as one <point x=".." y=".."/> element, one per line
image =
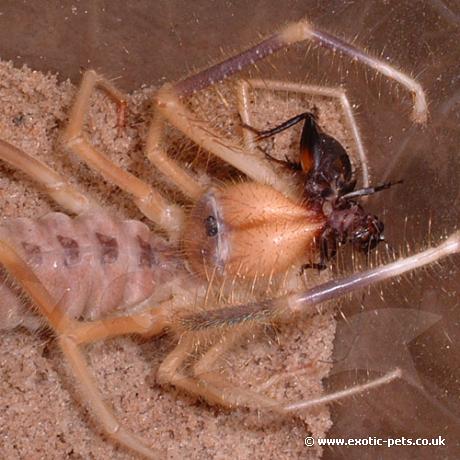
<point x="235" y="231"/>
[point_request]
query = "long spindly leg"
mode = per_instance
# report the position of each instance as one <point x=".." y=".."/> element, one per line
<point x="385" y="379"/>
<point x="170" y="105"/>
<point x="243" y="94"/>
<point x="170" y="370"/>
<point x="205" y="382"/>
<point x="212" y="387"/>
<point x="224" y="392"/>
<point x="149" y="201"/>
<point x="55" y="185"/>
<point x="69" y="334"/>
<point x="295" y="33"/>
<point x="170" y="168"/>
<point x="216" y="389"/>
<point x="147" y="323"/>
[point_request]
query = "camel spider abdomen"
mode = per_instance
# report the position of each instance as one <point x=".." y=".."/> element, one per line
<point x="256" y="228"/>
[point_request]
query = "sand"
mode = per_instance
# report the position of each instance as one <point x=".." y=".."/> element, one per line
<point x="42" y="415"/>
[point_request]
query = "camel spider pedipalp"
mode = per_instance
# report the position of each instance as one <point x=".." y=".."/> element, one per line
<point x="269" y="202"/>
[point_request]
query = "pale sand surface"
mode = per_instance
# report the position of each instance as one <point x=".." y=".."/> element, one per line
<point x="41" y="414"/>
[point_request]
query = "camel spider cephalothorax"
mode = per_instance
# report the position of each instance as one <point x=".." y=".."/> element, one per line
<point x="216" y="236"/>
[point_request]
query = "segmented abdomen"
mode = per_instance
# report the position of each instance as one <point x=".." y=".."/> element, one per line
<point x="93" y="264"/>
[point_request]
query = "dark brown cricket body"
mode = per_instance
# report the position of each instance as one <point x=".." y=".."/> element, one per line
<point x="329" y="189"/>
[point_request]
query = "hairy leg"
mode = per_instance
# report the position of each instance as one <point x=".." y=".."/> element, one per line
<point x="55" y="185"/>
<point x="170" y="105"/>
<point x="170" y="168"/>
<point x="206" y="382"/>
<point x="243" y="94"/>
<point x="295" y="33"/>
<point x="68" y="337"/>
<point x="149" y="201"/>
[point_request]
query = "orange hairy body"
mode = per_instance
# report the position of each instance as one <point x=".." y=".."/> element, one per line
<point x="250" y="229"/>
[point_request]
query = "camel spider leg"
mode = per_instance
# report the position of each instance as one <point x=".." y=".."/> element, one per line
<point x="170" y="168"/>
<point x="171" y="108"/>
<point x="150" y="202"/>
<point x="205" y="383"/>
<point x="169" y="97"/>
<point x="68" y="331"/>
<point x="244" y="86"/>
<point x="295" y="33"/>
<point x="55" y="185"/>
<point x="283" y="309"/>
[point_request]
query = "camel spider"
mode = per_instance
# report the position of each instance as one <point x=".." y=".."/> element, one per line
<point x="193" y="327"/>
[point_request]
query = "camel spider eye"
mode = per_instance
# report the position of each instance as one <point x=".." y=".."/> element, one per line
<point x="211" y="226"/>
